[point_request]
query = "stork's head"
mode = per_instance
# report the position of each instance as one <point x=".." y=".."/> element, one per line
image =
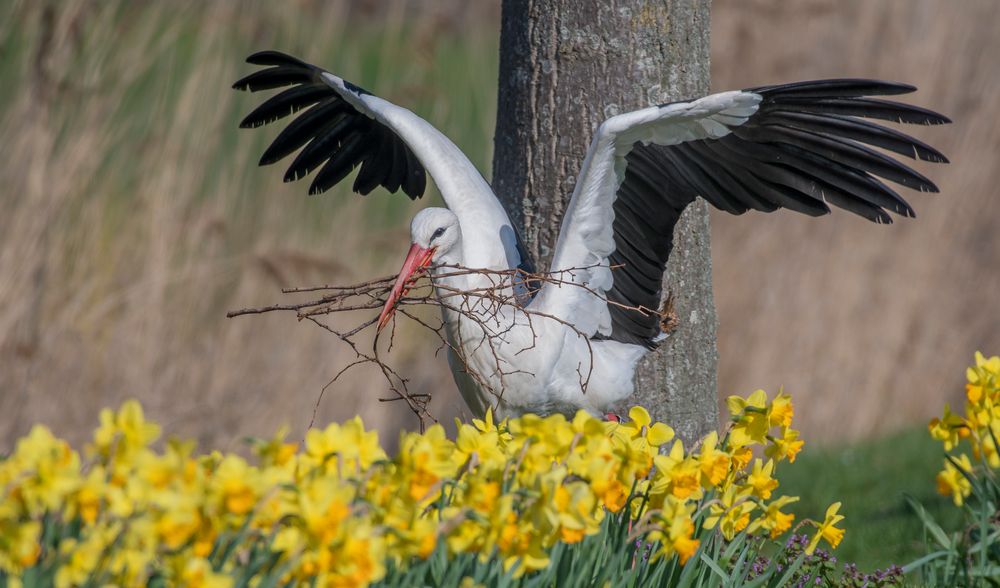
<point x="436" y="229"/>
<point x="435" y="235"/>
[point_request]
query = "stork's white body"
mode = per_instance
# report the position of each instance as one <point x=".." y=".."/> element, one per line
<point x="541" y="366"/>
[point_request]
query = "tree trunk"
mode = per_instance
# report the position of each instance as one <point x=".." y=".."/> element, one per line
<point x="565" y="66"/>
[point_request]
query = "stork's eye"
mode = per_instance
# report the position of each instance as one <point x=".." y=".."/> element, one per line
<point x="437" y="233"/>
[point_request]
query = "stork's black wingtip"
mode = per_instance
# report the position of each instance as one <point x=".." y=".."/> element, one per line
<point x="316" y="190"/>
<point x="292" y="175"/>
<point x="249" y="122"/>
<point x="934" y="118"/>
<point x="944" y="120"/>
<point x="275" y="58"/>
<point x="266" y="57"/>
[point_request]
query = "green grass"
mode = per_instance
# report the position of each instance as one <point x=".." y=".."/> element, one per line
<point x="870" y="479"/>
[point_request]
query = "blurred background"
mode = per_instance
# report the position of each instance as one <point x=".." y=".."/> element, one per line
<point x="134" y="216"/>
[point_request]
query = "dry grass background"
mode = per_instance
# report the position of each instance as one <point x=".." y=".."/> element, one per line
<point x="134" y="216"/>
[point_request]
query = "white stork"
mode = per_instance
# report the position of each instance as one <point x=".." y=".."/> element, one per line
<point x="799" y="146"/>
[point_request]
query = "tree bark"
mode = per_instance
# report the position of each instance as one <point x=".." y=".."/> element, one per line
<point x="565" y="66"/>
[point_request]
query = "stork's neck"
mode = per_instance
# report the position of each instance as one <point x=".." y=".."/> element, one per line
<point x="447" y="278"/>
<point x="490" y="241"/>
<point x="463" y="286"/>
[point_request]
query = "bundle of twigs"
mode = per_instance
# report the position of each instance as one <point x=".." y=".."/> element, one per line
<point x="481" y="305"/>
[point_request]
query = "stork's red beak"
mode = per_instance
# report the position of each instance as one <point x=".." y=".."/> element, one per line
<point x="417" y="259"/>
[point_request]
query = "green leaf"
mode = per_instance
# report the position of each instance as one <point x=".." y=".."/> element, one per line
<point x="790" y="572"/>
<point x="932" y="527"/>
<point x="714" y="567"/>
<point x="919" y="563"/>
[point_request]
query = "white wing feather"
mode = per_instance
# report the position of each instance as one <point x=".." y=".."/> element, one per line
<point x="586" y="238"/>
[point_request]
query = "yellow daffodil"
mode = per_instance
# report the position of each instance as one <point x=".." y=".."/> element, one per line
<point x="782" y="411"/>
<point x="347" y="448"/>
<point x="983" y="377"/>
<point x="597" y="463"/>
<point x="428" y="458"/>
<point x="712" y="463"/>
<point x="86" y="502"/>
<point x="574" y="510"/>
<point x="774" y="521"/>
<point x="752" y="417"/>
<point x="275" y="451"/>
<point x="676" y="474"/>
<point x="731" y="513"/>
<point x="952" y="482"/>
<point x="641" y="426"/>
<point x="198" y="573"/>
<point x="360" y="560"/>
<point x="827" y="530"/>
<point x="20" y="546"/>
<point x="741" y="456"/>
<point x="949" y="429"/>
<point x="786" y="445"/>
<point x="81" y="559"/>
<point x="479" y="447"/>
<point x="985" y="448"/>
<point x="677" y="534"/>
<point x="236" y="484"/>
<point x="323" y="504"/>
<point x="49" y="471"/>
<point x="760" y="480"/>
<point x="124" y="432"/>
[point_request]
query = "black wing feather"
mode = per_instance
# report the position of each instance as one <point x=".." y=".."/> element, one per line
<point x="273" y="77"/>
<point x="276" y="58"/>
<point x="328" y="140"/>
<point x="281" y="105"/>
<point x="339" y="165"/>
<point x="842" y="87"/>
<point x="862" y="107"/>
<point x="302" y="130"/>
<point x="862" y="131"/>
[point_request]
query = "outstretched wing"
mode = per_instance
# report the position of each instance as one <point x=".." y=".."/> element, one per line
<point x="339" y="130"/>
<point x="342" y="126"/>
<point x="802" y="146"/>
